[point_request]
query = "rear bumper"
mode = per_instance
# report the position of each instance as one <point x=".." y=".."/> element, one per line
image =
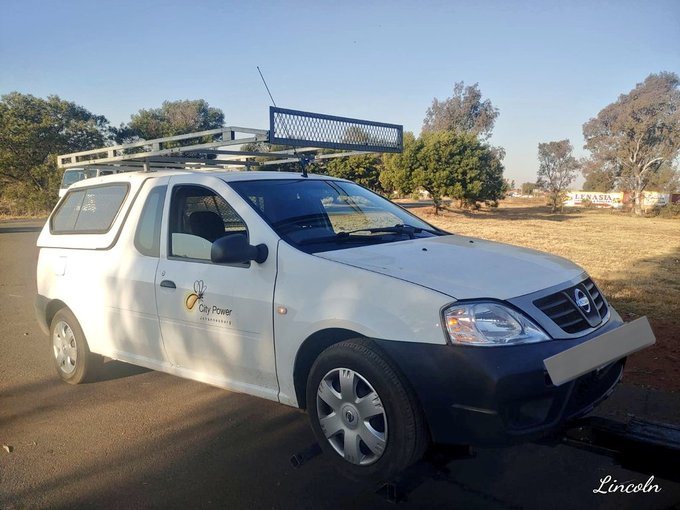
<point x="499" y="396"/>
<point x="40" y="306"/>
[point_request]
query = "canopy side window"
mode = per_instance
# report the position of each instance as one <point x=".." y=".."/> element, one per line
<point x="89" y="210"/>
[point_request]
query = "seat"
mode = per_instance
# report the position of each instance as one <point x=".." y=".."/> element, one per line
<point x="206" y="224"/>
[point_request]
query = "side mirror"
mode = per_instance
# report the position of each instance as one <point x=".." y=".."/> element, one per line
<point x="235" y="249"/>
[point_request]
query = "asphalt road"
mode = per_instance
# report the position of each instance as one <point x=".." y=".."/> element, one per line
<point x="142" y="439"/>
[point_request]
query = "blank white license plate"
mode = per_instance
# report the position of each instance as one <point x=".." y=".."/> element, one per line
<point x="602" y="350"/>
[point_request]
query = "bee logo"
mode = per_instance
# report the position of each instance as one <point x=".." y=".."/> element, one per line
<point x="196" y="295"/>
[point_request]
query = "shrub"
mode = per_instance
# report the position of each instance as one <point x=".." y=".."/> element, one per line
<point x="21" y="199"/>
<point x="670" y="211"/>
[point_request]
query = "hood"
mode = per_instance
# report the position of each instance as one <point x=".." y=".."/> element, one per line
<point x="462" y="267"/>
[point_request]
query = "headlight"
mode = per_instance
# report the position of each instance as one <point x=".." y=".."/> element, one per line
<point x="489" y="324"/>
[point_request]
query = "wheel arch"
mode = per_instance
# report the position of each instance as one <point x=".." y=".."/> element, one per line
<point x="310" y="350"/>
<point x="53" y="306"/>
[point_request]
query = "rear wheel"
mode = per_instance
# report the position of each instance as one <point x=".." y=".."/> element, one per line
<point x="70" y="353"/>
<point x="363" y="412"/>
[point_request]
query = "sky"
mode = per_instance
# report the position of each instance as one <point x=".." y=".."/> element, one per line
<point x="547" y="66"/>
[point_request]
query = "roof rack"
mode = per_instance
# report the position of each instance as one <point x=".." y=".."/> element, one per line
<point x="307" y="133"/>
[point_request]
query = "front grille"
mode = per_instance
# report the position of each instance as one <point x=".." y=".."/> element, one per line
<point x="564" y="310"/>
<point x="596" y="296"/>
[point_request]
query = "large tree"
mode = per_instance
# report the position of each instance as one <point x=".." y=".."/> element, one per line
<point x="598" y="177"/>
<point x="557" y="169"/>
<point x="172" y="118"/>
<point x="666" y="179"/>
<point x="33" y="131"/>
<point x="633" y="136"/>
<point x="459" y="166"/>
<point x="396" y="175"/>
<point x="465" y="111"/>
<point x="363" y="169"/>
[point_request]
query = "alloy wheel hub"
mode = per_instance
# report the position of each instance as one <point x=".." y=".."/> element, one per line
<point x="64" y="347"/>
<point x="352" y="416"/>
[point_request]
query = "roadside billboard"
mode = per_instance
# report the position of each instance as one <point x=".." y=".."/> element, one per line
<point x="578" y="198"/>
<point x="615" y="200"/>
<point x="655" y="199"/>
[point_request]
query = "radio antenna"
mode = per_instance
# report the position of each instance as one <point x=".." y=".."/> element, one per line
<point x="266" y="86"/>
<point x="303" y="162"/>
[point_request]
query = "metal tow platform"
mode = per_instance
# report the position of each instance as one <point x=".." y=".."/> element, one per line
<point x="637" y="445"/>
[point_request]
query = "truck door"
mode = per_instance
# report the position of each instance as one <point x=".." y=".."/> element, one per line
<point x="216" y="319"/>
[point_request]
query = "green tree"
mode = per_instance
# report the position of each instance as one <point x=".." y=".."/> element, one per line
<point x="396" y="175"/>
<point x="598" y="176"/>
<point x="666" y="179"/>
<point x="459" y="166"/>
<point x="633" y="136"/>
<point x="528" y="188"/>
<point x="33" y="131"/>
<point x="464" y="111"/>
<point x="265" y="147"/>
<point x="172" y="118"/>
<point x="363" y="169"/>
<point x="557" y="169"/>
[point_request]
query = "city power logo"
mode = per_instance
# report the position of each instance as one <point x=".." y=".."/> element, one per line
<point x="196" y="295"/>
<point x="209" y="312"/>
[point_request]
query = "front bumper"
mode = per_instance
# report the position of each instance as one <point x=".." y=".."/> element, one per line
<point x="500" y="395"/>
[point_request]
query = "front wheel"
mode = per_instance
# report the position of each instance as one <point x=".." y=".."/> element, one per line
<point x="363" y="412"/>
<point x="70" y="353"/>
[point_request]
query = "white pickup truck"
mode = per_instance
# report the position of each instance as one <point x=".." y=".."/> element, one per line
<point x="319" y="294"/>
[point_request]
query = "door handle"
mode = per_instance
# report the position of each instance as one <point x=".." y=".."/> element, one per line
<point x="168" y="284"/>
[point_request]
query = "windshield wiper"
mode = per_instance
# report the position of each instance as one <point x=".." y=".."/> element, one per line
<point x="399" y="228"/>
<point x="408" y="230"/>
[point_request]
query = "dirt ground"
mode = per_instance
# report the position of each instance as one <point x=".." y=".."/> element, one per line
<point x="635" y="261"/>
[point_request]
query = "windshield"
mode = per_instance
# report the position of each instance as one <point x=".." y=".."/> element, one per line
<point x="319" y="215"/>
<point x="75" y="175"/>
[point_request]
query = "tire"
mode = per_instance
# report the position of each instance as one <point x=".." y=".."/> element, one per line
<point x="71" y="355"/>
<point x="378" y="412"/>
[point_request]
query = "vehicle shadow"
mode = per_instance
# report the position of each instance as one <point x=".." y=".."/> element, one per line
<point x="228" y="450"/>
<point x="503" y="213"/>
<point x="113" y="369"/>
<point x="519" y="214"/>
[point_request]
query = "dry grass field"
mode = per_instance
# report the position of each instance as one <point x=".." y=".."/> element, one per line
<point x="635" y="261"/>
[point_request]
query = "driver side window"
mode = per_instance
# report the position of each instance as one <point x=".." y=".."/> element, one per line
<point x="198" y="217"/>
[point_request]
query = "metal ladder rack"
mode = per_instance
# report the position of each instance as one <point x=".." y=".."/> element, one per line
<point x="307" y="134"/>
